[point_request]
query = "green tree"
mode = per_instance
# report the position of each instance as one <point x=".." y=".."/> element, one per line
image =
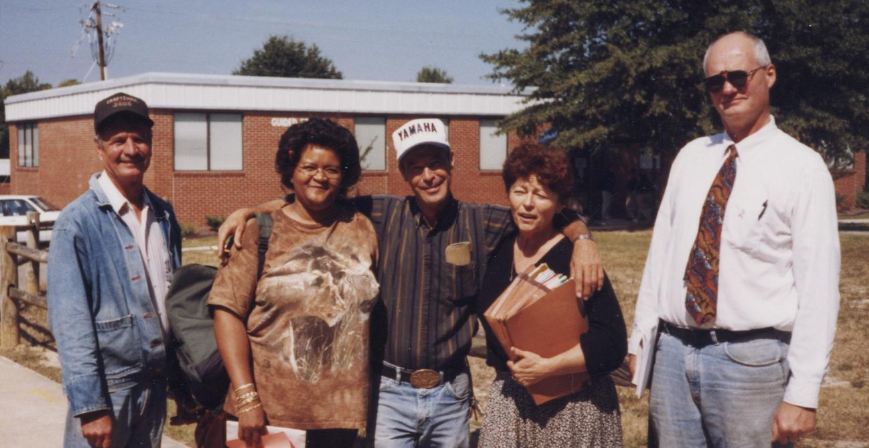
<point x="16" y="86"/>
<point x="433" y="74"/>
<point x="288" y="58"/>
<point x="629" y="74"/>
<point x="68" y="82"/>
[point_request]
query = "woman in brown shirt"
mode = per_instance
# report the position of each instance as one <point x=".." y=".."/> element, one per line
<point x="295" y="340"/>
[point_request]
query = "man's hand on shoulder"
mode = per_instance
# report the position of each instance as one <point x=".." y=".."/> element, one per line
<point x="233" y="226"/>
<point x="96" y="427"/>
<point x="791" y="422"/>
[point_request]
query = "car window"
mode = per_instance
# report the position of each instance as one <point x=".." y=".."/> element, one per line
<point x="3" y="208"/>
<point x="44" y="205"/>
<point x="19" y="207"/>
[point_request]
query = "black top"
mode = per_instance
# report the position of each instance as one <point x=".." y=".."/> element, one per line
<point x="604" y="345"/>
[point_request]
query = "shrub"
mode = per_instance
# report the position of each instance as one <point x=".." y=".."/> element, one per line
<point x="840" y="203"/>
<point x="862" y="200"/>
<point x="214" y="222"/>
<point x="187" y="230"/>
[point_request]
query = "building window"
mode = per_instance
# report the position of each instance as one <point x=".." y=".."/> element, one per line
<point x="208" y="142"/>
<point x="371" y="136"/>
<point x="493" y="148"/>
<point x="28" y="144"/>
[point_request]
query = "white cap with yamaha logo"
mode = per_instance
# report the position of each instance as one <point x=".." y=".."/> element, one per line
<point x="423" y="131"/>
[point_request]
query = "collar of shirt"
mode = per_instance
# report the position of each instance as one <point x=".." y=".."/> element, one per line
<point x="445" y="219"/>
<point x="751" y="144"/>
<point x="119" y="203"/>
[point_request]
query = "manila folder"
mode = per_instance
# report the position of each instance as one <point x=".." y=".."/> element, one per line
<point x="549" y="327"/>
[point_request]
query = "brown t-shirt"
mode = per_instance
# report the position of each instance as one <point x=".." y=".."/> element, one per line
<point x="307" y="318"/>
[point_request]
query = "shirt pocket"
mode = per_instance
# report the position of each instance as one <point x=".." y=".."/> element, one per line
<point x="461" y="272"/>
<point x="743" y="223"/>
<point x="119" y="346"/>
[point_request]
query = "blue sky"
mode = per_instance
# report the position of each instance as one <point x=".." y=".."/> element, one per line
<point x="367" y="40"/>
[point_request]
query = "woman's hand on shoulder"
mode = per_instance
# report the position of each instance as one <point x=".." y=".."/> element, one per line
<point x="252" y="426"/>
<point x="529" y="368"/>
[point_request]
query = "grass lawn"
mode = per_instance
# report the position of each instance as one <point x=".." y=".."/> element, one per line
<point x="842" y="414"/>
<point x="862" y="215"/>
<point x="844" y="400"/>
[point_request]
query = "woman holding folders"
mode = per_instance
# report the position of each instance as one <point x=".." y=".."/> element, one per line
<point x="538" y="182"/>
<point x="294" y="338"/>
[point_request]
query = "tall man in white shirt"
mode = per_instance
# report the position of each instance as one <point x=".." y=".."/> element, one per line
<point x="742" y="274"/>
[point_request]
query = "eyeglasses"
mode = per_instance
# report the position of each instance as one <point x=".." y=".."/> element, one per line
<point x="737" y="78"/>
<point x="311" y="170"/>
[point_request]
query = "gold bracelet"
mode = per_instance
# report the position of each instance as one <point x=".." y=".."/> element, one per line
<point x="240" y="403"/>
<point x="249" y="409"/>
<point x="246" y="395"/>
<point x="253" y="406"/>
<point x="243" y="387"/>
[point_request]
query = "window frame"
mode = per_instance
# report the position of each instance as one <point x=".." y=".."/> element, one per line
<point x="208" y="114"/>
<point x="27" y="129"/>
<point x="506" y="148"/>
<point x="385" y="145"/>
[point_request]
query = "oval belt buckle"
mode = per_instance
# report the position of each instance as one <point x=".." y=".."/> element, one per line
<point x="425" y="378"/>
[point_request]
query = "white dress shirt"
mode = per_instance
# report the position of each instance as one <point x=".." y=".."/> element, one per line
<point x="779" y="260"/>
<point x="152" y="246"/>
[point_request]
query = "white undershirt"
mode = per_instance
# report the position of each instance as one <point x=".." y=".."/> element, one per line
<point x="149" y="239"/>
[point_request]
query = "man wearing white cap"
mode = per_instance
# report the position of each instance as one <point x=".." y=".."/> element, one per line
<point x="433" y="249"/>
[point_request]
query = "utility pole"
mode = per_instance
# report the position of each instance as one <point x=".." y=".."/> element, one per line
<point x="96" y="8"/>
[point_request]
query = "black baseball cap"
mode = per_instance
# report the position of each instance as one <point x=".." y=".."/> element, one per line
<point x="121" y="103"/>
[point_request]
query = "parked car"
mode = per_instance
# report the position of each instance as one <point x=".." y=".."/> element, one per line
<point x="14" y="208"/>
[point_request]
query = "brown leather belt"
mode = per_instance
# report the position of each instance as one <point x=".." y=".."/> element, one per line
<point x="421" y="378"/>
<point x="699" y="337"/>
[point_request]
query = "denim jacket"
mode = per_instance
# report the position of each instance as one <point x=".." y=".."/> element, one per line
<point x="99" y="308"/>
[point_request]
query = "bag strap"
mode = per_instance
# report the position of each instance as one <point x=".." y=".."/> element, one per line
<point x="265" y="222"/>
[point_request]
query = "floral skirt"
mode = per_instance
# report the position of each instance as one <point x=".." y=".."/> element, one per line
<point x="588" y="418"/>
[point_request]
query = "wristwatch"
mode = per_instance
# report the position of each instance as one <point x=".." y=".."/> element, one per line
<point x="583" y="236"/>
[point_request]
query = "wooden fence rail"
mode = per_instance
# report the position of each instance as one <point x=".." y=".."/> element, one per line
<point x="12" y="254"/>
<point x="10" y="294"/>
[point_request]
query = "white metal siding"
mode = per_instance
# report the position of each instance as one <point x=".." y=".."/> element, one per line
<point x="232" y="93"/>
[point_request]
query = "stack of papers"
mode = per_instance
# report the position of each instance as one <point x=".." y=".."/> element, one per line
<point x="540" y="313"/>
<point x="277" y="437"/>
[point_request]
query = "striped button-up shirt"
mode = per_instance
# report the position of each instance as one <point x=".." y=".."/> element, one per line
<point x="428" y="301"/>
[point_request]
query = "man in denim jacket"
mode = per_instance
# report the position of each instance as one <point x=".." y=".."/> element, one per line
<point x="113" y="252"/>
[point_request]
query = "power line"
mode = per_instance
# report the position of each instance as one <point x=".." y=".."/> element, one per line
<point x="101" y="42"/>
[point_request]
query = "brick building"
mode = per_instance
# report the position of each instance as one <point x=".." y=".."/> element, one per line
<point x="215" y="137"/>
<point x="850" y="181"/>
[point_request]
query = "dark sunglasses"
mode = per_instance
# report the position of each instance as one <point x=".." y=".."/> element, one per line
<point x="737" y="78"/>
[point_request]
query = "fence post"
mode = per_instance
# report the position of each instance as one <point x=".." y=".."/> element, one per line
<point x="9" y="336"/>
<point x="31" y="276"/>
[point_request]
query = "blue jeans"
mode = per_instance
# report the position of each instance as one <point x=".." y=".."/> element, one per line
<point x="718" y="395"/>
<point x="138" y="416"/>
<point x="408" y="417"/>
